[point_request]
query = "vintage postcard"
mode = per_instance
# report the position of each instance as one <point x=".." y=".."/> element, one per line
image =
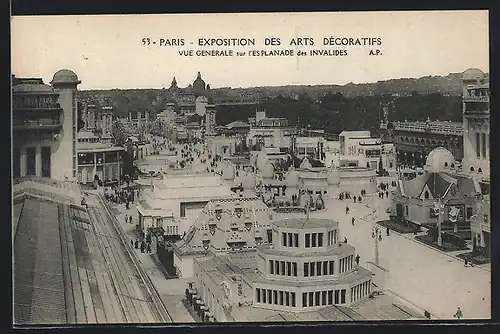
<point x="264" y="167"/>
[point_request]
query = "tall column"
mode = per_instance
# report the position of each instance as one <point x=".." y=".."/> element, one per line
<point x="38" y="160"/>
<point x="103" y="166"/>
<point x="118" y="167"/>
<point x="95" y="167"/>
<point x="22" y="163"/>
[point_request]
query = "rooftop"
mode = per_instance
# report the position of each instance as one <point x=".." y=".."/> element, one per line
<point x="303" y="223"/>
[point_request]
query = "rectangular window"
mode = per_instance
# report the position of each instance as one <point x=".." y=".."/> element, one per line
<point x="323" y="298"/>
<point x="478" y="145"/>
<point x="16" y="163"/>
<point x="281" y="297"/>
<point x="276" y="267"/>
<point x="269" y="296"/>
<point x="328" y="242"/>
<point x="337" y="299"/>
<point x="293" y="299"/>
<point x="320" y="239"/>
<point x="296" y="237"/>
<point x="342" y="296"/>
<point x="294" y="266"/>
<point x="264" y="295"/>
<point x="306" y="269"/>
<point x="275" y="297"/>
<point x="287" y="298"/>
<point x="290" y="239"/>
<point x="257" y="295"/>
<point x="283" y="269"/>
<point x="318" y="268"/>
<point x="30" y="161"/>
<point x="307" y="240"/>
<point x="335" y="237"/>
<point x="304" y="299"/>
<point x="469" y="212"/>
<point x="311" y="298"/>
<point x="313" y="239"/>
<point x="289" y="269"/>
<point x="271" y="267"/>
<point x="283" y="239"/>
<point x="330" y="297"/>
<point x="312" y="265"/>
<point x="317" y="298"/>
<point x="325" y="267"/>
<point x="46" y="163"/>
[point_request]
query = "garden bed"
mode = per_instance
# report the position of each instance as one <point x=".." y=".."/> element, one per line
<point x="446" y="246"/>
<point x="478" y="259"/>
<point x="399" y="226"/>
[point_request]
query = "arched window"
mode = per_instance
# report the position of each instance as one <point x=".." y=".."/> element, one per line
<point x="472" y="169"/>
<point x="480" y="170"/>
<point x="446" y="164"/>
<point x="426" y="195"/>
<point x="452" y="165"/>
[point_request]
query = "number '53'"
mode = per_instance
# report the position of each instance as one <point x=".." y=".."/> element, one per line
<point x="146" y="41"/>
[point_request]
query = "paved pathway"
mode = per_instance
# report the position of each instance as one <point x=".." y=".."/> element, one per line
<point x="432" y="280"/>
<point x="171" y="291"/>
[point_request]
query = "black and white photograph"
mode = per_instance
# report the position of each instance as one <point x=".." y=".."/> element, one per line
<point x="250" y="168"/>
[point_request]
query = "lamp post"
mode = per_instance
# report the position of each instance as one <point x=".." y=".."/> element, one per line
<point x="439" y="205"/>
<point x="377" y="236"/>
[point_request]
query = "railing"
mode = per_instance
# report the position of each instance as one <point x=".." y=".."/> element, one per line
<point x="476" y="99"/>
<point x="485" y="226"/>
<point x="149" y="284"/>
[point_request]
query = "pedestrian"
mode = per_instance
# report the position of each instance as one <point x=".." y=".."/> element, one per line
<point x="353" y="221"/>
<point x="387" y="230"/>
<point x="466" y="263"/>
<point x="149" y="248"/>
<point x="347" y="210"/>
<point x="387" y="194"/>
<point x="130" y="219"/>
<point x="345" y="240"/>
<point x="357" y="259"/>
<point x="380" y="237"/>
<point x="355" y="199"/>
<point x="359" y="199"/>
<point x="132" y="242"/>
<point x="136" y="243"/>
<point x="458" y="314"/>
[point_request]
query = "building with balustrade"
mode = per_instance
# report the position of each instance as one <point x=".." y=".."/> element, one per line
<point x="476" y="143"/>
<point x="414" y="141"/>
<point x="98" y="160"/>
<point x="44" y="124"/>
<point x="270" y="132"/>
<point x="304" y="269"/>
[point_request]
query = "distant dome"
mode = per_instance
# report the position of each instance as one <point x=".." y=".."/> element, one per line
<point x="439" y="159"/>
<point x="268" y="171"/>
<point x="199" y="83"/>
<point x="333" y="176"/>
<point x="228" y="172"/>
<point x="472" y="74"/>
<point x="248" y="180"/>
<point x="65" y="76"/>
<point x="305" y="163"/>
<point x="292" y="178"/>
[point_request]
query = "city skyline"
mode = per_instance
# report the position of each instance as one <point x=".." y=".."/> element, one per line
<point x="100" y="48"/>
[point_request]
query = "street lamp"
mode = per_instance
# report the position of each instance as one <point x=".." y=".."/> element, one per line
<point x="377" y="236"/>
<point x="439" y="206"/>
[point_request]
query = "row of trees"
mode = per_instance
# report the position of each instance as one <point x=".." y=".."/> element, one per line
<point x="335" y="113"/>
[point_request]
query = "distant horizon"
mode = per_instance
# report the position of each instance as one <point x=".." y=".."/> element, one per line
<point x="275" y="86"/>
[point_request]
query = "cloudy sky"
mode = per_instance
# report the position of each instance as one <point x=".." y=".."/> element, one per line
<point x="107" y="51"/>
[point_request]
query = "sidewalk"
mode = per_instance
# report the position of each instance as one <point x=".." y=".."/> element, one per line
<point x="171" y="291"/>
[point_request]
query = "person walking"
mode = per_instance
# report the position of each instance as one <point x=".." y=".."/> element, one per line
<point x="387" y="231"/>
<point x="130" y="219"/>
<point x="357" y="259"/>
<point x="352" y="220"/>
<point x="458" y="314"/>
<point x="347" y="210"/>
<point x="466" y="263"/>
<point x="345" y="240"/>
<point x="126" y="218"/>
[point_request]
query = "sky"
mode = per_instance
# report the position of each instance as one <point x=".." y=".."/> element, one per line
<point x="106" y="51"/>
